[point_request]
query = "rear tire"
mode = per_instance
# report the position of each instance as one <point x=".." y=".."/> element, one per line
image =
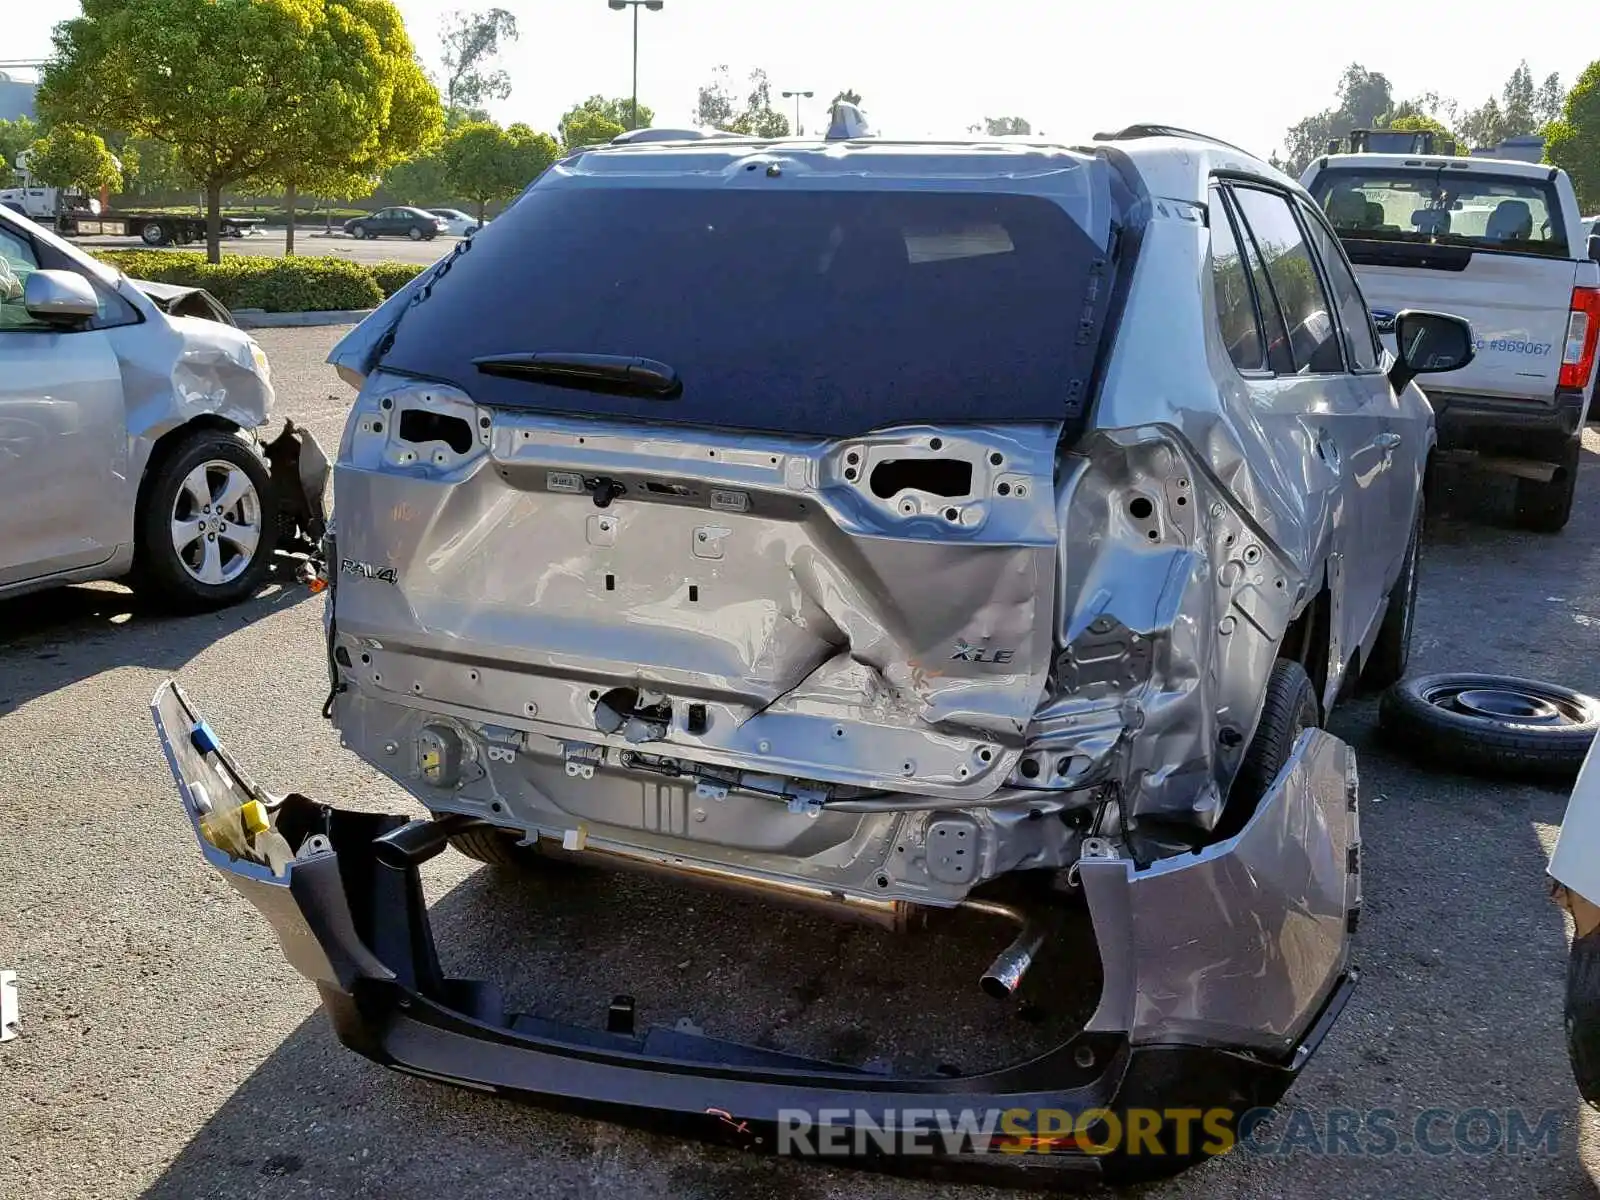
<point x="155" y="234"/>
<point x="497" y="847"/>
<point x="416" y="233"/>
<point x="1546" y="507"/>
<point x="1290" y="708"/>
<point x="225" y="553"/>
<point x="1391" y="652"/>
<point x="1583" y="1015"/>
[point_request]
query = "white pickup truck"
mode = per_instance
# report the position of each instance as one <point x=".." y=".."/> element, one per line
<point x="1503" y="244"/>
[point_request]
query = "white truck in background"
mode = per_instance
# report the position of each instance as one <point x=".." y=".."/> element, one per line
<point x="1502" y="243"/>
<point x="72" y="214"/>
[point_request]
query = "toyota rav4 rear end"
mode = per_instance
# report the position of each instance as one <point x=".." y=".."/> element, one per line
<point x="734" y="510"/>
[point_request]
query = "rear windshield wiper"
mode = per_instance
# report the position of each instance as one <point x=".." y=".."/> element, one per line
<point x="618" y="373"/>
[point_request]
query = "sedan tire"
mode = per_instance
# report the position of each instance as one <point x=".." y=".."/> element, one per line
<point x="497" y="847"/>
<point x="1493" y="724"/>
<point x="207" y="524"/>
<point x="359" y="232"/>
<point x="416" y="233"/>
<point x="1288" y="710"/>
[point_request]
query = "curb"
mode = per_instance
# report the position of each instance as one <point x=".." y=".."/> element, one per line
<point x="255" y="318"/>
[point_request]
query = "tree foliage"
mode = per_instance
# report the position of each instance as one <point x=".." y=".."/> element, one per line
<point x="488" y="164"/>
<point x="719" y="108"/>
<point x="15" y="137"/>
<point x="1572" y="141"/>
<point x="245" y="90"/>
<point x="599" y="119"/>
<point x="70" y="156"/>
<point x="1002" y="127"/>
<point x="1365" y="98"/>
<point x="470" y="43"/>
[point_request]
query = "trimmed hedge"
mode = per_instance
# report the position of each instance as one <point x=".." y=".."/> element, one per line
<point x="270" y="284"/>
<point x="392" y="276"/>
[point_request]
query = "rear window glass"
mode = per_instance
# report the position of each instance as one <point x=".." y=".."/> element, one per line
<point x="1450" y="206"/>
<point x="805" y="311"/>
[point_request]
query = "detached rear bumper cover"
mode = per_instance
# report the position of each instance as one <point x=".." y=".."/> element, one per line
<point x="1223" y="970"/>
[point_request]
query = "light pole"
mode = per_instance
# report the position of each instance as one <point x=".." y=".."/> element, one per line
<point x="797" y="95"/>
<point x="653" y="6"/>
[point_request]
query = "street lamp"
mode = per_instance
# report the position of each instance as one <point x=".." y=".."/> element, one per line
<point x="797" y="95"/>
<point x="653" y="6"/>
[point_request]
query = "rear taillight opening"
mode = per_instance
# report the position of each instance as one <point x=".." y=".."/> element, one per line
<point x="1583" y="326"/>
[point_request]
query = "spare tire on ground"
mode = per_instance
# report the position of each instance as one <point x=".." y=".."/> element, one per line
<point x="1496" y="724"/>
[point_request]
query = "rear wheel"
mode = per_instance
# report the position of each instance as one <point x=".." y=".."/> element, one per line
<point x="1583" y="1015"/>
<point x="1289" y="709"/>
<point x="497" y="847"/>
<point x="207" y="524"/>
<point x="1546" y="507"/>
<point x="154" y="233"/>
<point x="416" y="233"/>
<point x="1392" y="650"/>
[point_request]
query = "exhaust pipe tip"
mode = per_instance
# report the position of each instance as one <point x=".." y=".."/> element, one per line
<point x="1004" y="975"/>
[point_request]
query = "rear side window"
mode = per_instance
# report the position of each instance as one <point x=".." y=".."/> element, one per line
<point x="1230" y="280"/>
<point x="1450" y="205"/>
<point x="1361" y="344"/>
<point x="810" y="311"/>
<point x="1307" y="311"/>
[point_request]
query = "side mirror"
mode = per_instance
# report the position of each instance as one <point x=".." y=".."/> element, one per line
<point x="59" y="297"/>
<point x="1594" y="247"/>
<point x="1427" y="343"/>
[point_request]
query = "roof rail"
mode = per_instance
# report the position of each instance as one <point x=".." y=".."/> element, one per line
<point x="1145" y="131"/>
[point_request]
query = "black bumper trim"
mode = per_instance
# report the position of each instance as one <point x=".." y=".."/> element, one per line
<point x="1532" y="428"/>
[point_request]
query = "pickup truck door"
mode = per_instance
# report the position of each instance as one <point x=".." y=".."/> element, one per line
<point x="63" y="439"/>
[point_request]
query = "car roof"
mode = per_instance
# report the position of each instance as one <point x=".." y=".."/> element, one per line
<point x="1172" y="162"/>
<point x="1511" y="168"/>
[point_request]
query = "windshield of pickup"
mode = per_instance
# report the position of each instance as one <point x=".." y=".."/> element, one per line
<point x="802" y="310"/>
<point x="1448" y="206"/>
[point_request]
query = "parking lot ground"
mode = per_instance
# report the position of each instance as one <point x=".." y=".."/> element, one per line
<point x="308" y="241"/>
<point x="167" y="1050"/>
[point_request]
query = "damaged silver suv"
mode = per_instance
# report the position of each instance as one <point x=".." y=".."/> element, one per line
<point x="884" y="528"/>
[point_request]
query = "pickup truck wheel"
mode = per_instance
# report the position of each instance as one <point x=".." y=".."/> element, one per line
<point x="1496" y="724"/>
<point x="1545" y="507"/>
<point x="1392" y="649"/>
<point x="1583" y="1015"/>
<point x="155" y="234"/>
<point x="207" y="524"/>
<point x="1290" y="708"/>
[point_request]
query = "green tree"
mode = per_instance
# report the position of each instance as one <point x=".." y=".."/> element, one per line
<point x="599" y="119"/>
<point x="234" y="86"/>
<point x="718" y="107"/>
<point x="419" y="181"/>
<point x="15" y="137"/>
<point x="149" y="167"/>
<point x="1423" y="122"/>
<point x="1549" y="100"/>
<point x="1365" y="97"/>
<point x="1573" y="141"/>
<point x="470" y="43"/>
<point x="376" y="108"/>
<point x="1001" y="126"/>
<point x="70" y="156"/>
<point x="487" y="164"/>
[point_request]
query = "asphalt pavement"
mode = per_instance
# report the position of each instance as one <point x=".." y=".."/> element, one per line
<point x="308" y="240"/>
<point x="167" y="1050"/>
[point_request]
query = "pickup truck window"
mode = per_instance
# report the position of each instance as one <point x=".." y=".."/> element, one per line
<point x="1451" y="206"/>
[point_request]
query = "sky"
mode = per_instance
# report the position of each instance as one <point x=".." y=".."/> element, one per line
<point x="1241" y="70"/>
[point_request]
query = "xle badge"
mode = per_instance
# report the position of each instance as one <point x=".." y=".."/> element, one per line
<point x="979" y="654"/>
<point x="349" y="566"/>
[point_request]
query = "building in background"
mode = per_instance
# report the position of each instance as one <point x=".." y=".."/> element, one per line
<point x="16" y="97"/>
<point x="1525" y="147"/>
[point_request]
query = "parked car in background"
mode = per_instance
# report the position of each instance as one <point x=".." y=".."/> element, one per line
<point x="418" y="224"/>
<point x="128" y="445"/>
<point x="914" y="596"/>
<point x="1502" y="243"/>
<point x="456" y="222"/>
<point x="1575" y="870"/>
